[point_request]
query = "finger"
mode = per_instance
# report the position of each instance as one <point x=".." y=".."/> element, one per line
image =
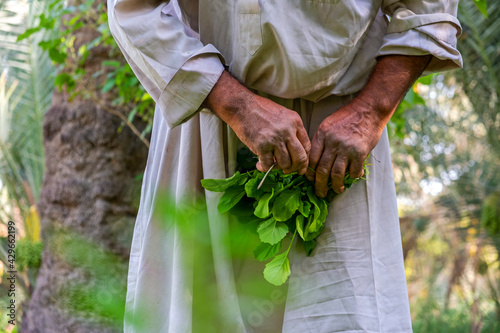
<point x="317" y="147"/>
<point x="282" y="157"/>
<point x="323" y="172"/>
<point x="356" y="168"/>
<point x="299" y="157"/>
<point x="338" y="173"/>
<point x="304" y="139"/>
<point x="266" y="160"/>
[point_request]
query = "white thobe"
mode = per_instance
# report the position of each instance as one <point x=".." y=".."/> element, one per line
<point x="311" y="56"/>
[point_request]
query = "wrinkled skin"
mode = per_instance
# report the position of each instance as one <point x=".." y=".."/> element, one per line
<point x="269" y="130"/>
<point x="343" y="140"/>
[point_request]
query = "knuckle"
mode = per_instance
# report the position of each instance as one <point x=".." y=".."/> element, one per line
<point x="263" y="146"/>
<point x="303" y="161"/>
<point x="357" y="175"/>
<point x="332" y="142"/>
<point x="307" y="147"/>
<point x="356" y="152"/>
<point x="322" y="127"/>
<point x="321" y="170"/>
<point x="265" y="163"/>
<point x="296" y="118"/>
<point x="285" y="165"/>
<point x="322" y="134"/>
<point x="337" y="174"/>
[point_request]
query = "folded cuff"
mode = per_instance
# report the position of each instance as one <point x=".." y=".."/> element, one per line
<point x="438" y="39"/>
<point x="404" y="19"/>
<point x="185" y="92"/>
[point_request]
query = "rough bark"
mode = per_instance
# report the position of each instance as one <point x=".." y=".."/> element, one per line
<point x="89" y="195"/>
<point x="88" y="204"/>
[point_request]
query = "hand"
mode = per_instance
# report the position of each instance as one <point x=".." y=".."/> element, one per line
<point x="346" y="137"/>
<point x="342" y="142"/>
<point x="269" y="130"/>
<point x="273" y="132"/>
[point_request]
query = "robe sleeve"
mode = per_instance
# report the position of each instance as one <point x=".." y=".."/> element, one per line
<point x="419" y="27"/>
<point x="171" y="63"/>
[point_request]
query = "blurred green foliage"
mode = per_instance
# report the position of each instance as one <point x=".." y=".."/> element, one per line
<point x="116" y="76"/>
<point x="432" y="319"/>
<point x="490" y="214"/>
<point x="29" y="254"/>
<point x="101" y="294"/>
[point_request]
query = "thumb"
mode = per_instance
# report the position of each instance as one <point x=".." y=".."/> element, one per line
<point x="266" y="160"/>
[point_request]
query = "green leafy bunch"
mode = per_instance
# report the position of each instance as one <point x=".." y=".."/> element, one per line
<point x="284" y="206"/>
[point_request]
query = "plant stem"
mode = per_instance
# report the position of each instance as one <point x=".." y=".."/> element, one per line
<point x="291" y="242"/>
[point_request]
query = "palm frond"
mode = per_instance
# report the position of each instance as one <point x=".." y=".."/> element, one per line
<point x="480" y="79"/>
<point x="21" y="150"/>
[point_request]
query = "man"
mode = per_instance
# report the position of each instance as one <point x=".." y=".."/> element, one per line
<point x="280" y="73"/>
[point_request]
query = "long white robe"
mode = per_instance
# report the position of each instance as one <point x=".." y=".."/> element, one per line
<point x="314" y="55"/>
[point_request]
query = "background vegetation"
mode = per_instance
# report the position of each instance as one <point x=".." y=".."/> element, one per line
<point x="445" y="142"/>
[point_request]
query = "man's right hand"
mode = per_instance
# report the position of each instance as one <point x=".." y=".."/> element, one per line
<point x="269" y="130"/>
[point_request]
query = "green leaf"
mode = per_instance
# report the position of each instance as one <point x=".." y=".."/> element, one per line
<point x="321" y="207"/>
<point x="221" y="185"/>
<point x="46" y="22"/>
<point x="278" y="270"/>
<point x="314" y="200"/>
<point x="51" y="43"/>
<point x="251" y="188"/>
<point x="286" y="204"/>
<point x="311" y="224"/>
<point x="482" y="6"/>
<point x="74" y="20"/>
<point x="64" y="79"/>
<point x="112" y="63"/>
<point x="271" y="232"/>
<point x="269" y="185"/>
<point x="309" y="246"/>
<point x="299" y="222"/>
<point x="230" y="198"/>
<point x="425" y="80"/>
<point x="57" y="56"/>
<point x="287" y="175"/>
<point x="305" y="208"/>
<point x="243" y="208"/>
<point x="278" y="187"/>
<point x="265" y="251"/>
<point x="250" y="220"/>
<point x="108" y="86"/>
<point x="317" y="219"/>
<point x="28" y="33"/>
<point x="262" y="209"/>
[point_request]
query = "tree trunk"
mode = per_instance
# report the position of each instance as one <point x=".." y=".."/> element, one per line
<point x="88" y="204"/>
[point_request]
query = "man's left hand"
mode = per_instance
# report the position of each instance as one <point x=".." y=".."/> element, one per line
<point x="342" y="143"/>
<point x="346" y="137"/>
